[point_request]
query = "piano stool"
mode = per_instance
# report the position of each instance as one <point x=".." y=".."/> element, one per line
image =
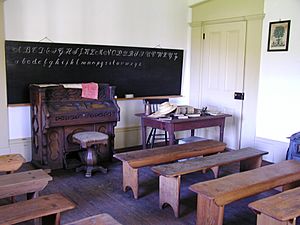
<point x="89" y="140"/>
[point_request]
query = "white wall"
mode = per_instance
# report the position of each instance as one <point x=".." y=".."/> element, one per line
<point x="141" y="23"/>
<point x="4" y="146"/>
<point x="278" y="99"/>
<point x="279" y="108"/>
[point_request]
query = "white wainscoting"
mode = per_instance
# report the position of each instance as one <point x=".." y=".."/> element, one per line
<point x="21" y="146"/>
<point x="125" y="137"/>
<point x="277" y="150"/>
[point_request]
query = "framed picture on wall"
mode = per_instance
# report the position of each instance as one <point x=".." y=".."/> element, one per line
<point x="279" y="35"/>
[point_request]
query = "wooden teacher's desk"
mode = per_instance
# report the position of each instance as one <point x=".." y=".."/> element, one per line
<point x="181" y="124"/>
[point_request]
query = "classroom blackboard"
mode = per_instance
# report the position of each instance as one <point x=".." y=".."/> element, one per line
<point x="140" y="71"/>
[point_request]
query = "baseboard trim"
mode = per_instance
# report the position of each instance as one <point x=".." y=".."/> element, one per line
<point x="277" y="149"/>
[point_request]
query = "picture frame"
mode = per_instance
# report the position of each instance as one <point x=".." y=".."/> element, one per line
<point x="279" y="32"/>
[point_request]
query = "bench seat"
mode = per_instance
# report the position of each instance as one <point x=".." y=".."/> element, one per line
<point x="48" y="205"/>
<point x="280" y="209"/>
<point x="100" y="219"/>
<point x="141" y="158"/>
<point x="213" y="195"/>
<point x="170" y="174"/>
<point x="29" y="182"/>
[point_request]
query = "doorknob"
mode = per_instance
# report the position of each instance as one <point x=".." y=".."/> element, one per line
<point x="239" y="95"/>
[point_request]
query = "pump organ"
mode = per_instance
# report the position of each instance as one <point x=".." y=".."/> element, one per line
<point x="57" y="113"/>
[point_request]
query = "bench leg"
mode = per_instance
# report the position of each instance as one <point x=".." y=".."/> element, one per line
<point x="289" y="186"/>
<point x="32" y="195"/>
<point x="51" y="219"/>
<point x="169" y="192"/>
<point x="250" y="164"/>
<point x="57" y="219"/>
<point x="130" y="179"/>
<point x="215" y="171"/>
<point x="38" y="221"/>
<point x="263" y="219"/>
<point x="208" y="213"/>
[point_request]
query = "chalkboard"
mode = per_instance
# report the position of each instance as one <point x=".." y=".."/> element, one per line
<point x="133" y="70"/>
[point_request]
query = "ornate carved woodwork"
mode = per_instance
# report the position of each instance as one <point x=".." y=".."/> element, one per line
<point x="57" y="113"/>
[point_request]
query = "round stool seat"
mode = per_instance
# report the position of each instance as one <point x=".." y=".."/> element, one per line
<point x="88" y="140"/>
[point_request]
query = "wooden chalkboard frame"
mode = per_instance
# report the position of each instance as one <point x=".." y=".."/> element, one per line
<point x="143" y="72"/>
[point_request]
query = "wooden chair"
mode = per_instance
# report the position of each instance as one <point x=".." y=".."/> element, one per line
<point x="153" y="135"/>
<point x="88" y="140"/>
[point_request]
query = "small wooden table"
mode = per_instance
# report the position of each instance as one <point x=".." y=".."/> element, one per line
<point x="181" y="124"/>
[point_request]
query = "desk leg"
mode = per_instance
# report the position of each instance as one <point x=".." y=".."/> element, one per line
<point x="222" y="126"/>
<point x="144" y="130"/>
<point x="171" y="135"/>
<point x="250" y="164"/>
<point x="192" y="132"/>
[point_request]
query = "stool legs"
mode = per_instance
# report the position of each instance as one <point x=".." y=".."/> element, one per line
<point x="90" y="158"/>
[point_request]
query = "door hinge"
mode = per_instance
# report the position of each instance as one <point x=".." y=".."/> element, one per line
<point x="203" y="36"/>
<point x="239" y="95"/>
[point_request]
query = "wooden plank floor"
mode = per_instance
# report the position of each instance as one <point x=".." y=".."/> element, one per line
<point x="102" y="193"/>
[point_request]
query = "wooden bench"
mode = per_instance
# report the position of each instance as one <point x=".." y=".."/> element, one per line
<point x="137" y="159"/>
<point x="213" y="195"/>
<point x="169" y="179"/>
<point x="29" y="182"/>
<point x="11" y="162"/>
<point x="280" y="209"/>
<point x="48" y="205"/>
<point x="100" y="219"/>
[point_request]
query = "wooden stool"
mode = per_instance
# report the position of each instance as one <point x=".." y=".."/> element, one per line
<point x="11" y="162"/>
<point x="88" y="140"/>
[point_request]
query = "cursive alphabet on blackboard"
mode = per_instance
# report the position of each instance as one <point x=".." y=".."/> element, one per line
<point x="137" y="70"/>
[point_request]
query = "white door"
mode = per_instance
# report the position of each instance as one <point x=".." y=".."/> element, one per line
<point x="223" y="76"/>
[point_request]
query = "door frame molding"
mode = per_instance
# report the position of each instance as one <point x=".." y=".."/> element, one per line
<point x="227" y="20"/>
